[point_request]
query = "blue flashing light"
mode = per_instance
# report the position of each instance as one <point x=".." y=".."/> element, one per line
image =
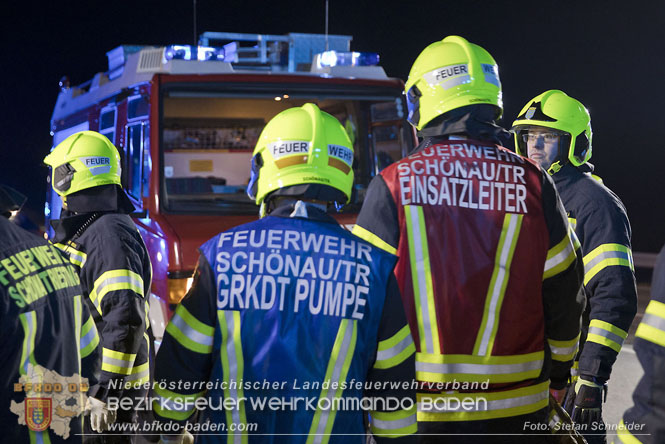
<point x="328" y="59"/>
<point x="228" y="53"/>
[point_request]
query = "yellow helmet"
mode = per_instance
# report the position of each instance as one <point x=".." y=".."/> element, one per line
<point x="556" y="110"/>
<point x="450" y="74"/>
<point x="302" y="146"/>
<point x="83" y="160"/>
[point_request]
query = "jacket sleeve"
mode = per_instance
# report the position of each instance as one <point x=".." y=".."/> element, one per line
<point x="377" y="222"/>
<point x="647" y="416"/>
<point x="394" y="365"/>
<point x="184" y="359"/>
<point x="115" y="276"/>
<point x="609" y="282"/>
<point x="563" y="300"/>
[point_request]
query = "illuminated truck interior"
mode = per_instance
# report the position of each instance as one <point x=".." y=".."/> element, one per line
<point x="208" y="134"/>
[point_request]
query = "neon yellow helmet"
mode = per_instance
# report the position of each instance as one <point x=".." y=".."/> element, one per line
<point x="83" y="160"/>
<point x="448" y="75"/>
<point x="556" y="110"/>
<point x="301" y="146"/>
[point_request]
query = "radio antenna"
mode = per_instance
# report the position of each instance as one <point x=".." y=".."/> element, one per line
<point x="326" y="25"/>
<point x="196" y="39"/>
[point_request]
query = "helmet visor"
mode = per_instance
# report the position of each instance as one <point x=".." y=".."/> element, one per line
<point x="62" y="177"/>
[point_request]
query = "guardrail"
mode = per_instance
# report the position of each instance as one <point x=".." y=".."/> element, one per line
<point x="644" y="260"/>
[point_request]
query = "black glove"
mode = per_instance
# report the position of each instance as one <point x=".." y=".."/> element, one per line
<point x="587" y="406"/>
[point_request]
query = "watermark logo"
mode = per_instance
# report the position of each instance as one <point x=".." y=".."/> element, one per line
<point x="51" y="402"/>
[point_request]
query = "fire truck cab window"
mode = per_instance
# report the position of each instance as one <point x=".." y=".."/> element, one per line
<point x="133" y="161"/>
<point x="107" y="123"/>
<point x="208" y="138"/>
<point x="137" y="107"/>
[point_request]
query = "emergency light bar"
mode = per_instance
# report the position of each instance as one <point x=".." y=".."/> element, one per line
<point x="329" y="59"/>
<point x="227" y="53"/>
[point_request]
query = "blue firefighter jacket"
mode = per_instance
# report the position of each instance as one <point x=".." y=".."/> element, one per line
<point x="290" y="323"/>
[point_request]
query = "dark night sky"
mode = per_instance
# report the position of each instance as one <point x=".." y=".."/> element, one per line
<point x="607" y="54"/>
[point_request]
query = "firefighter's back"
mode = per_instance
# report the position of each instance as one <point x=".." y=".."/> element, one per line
<point x="45" y="332"/>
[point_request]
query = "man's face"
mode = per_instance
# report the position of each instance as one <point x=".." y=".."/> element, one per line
<point x="542" y="146"/>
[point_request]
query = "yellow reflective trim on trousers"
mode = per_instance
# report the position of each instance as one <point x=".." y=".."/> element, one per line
<point x="115" y="280"/>
<point x="233" y="369"/>
<point x="625" y="436"/>
<point x="604" y="256"/>
<point x="337" y="370"/>
<point x="190" y="332"/>
<point x="168" y="403"/>
<point x="652" y="327"/>
<point x="422" y="278"/>
<point x="373" y="239"/>
<point x="490" y="405"/>
<point x="496" y="290"/>
<point x="29" y="323"/>
<point x="394" y="424"/>
<point x="606" y="334"/>
<point x="561" y="255"/>
<point x="395" y="350"/>
<point x="473" y="368"/>
<point x="564" y="351"/>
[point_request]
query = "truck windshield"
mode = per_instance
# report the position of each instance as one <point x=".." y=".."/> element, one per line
<point x="208" y="134"/>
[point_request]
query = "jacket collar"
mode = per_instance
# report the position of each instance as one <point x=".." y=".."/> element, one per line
<point x="303" y="210"/>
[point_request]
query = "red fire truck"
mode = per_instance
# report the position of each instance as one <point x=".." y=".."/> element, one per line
<point x="186" y="119"/>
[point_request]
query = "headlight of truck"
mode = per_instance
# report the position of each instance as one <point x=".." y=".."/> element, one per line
<point x="179" y="283"/>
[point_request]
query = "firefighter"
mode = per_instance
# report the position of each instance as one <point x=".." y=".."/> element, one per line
<point x="645" y="421"/>
<point x="555" y="130"/>
<point x="487" y="268"/>
<point x="47" y="334"/>
<point x="97" y="234"/>
<point x="292" y="306"/>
